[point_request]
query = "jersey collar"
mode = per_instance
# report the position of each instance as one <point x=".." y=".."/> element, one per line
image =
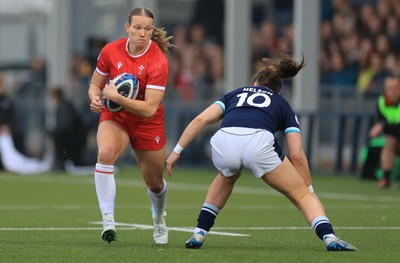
<point x="139" y="55"/>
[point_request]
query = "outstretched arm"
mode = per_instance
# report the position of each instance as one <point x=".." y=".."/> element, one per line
<point x="210" y="115"/>
<point x="298" y="157"/>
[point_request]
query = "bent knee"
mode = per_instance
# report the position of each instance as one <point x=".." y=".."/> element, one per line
<point x="107" y="155"/>
<point x="155" y="185"/>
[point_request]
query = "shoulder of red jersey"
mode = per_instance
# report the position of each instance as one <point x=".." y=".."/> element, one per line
<point x="104" y="58"/>
<point x="158" y="58"/>
<point x="117" y="44"/>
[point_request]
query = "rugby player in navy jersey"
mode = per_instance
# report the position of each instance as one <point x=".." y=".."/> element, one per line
<point x="250" y="118"/>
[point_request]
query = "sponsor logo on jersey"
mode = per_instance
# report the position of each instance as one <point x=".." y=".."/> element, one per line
<point x="119" y="64"/>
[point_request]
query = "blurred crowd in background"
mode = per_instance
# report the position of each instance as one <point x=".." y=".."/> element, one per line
<point x="359" y="47"/>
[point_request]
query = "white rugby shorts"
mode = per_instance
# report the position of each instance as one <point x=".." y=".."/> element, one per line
<point x="234" y="148"/>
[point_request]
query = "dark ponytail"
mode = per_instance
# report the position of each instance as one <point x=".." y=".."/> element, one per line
<point x="275" y="70"/>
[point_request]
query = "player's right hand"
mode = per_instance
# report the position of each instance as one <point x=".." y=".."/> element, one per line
<point x="96" y="104"/>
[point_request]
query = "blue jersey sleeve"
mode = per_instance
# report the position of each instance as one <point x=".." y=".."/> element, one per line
<point x="292" y="122"/>
<point x="221" y="104"/>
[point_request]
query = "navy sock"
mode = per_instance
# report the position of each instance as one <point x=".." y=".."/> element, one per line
<point x="322" y="226"/>
<point x="324" y="229"/>
<point x="207" y="216"/>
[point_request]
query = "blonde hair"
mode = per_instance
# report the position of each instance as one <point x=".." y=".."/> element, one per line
<point x="159" y="34"/>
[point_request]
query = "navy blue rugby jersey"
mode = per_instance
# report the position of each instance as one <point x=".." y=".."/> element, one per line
<point x="258" y="107"/>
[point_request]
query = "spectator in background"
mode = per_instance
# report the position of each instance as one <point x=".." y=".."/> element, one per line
<point x="388" y="111"/>
<point x="383" y="8"/>
<point x="393" y="31"/>
<point x="11" y="158"/>
<point x="382" y="45"/>
<point x="70" y="131"/>
<point x="79" y="80"/>
<point x="36" y="82"/>
<point x="269" y="35"/>
<point x="379" y="74"/>
<point x="175" y="76"/>
<point x="341" y="77"/>
<point x="366" y="71"/>
<point x="392" y="64"/>
<point x="7" y="110"/>
<point x="374" y="25"/>
<point x="13" y="161"/>
<point x="203" y="80"/>
<point x="8" y="115"/>
<point x="31" y="94"/>
<point x="285" y="42"/>
<point x="214" y="58"/>
<point x="367" y="10"/>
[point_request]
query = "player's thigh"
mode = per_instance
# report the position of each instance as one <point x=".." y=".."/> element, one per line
<point x="112" y="141"/>
<point x="286" y="179"/>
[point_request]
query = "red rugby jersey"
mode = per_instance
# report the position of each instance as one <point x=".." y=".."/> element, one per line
<point x="150" y="67"/>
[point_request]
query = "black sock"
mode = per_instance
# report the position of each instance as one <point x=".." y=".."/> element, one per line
<point x="207" y="216"/>
<point x="324" y="229"/>
<point x="322" y="226"/>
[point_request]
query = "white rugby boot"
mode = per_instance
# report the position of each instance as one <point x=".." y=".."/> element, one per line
<point x="160" y="233"/>
<point x="109" y="233"/>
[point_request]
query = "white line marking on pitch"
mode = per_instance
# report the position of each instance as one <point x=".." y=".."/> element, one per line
<point x="181" y="229"/>
<point x="124" y="226"/>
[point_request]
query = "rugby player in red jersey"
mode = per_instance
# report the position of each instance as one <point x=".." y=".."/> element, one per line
<point x="140" y="124"/>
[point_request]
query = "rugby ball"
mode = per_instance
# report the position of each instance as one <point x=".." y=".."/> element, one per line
<point x="128" y="86"/>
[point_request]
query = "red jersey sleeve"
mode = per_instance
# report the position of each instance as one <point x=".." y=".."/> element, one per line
<point x="158" y="72"/>
<point x="103" y="65"/>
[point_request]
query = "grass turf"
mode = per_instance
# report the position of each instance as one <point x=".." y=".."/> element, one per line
<point x="54" y="217"/>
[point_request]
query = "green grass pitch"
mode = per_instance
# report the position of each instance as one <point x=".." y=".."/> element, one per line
<point x="55" y="217"/>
